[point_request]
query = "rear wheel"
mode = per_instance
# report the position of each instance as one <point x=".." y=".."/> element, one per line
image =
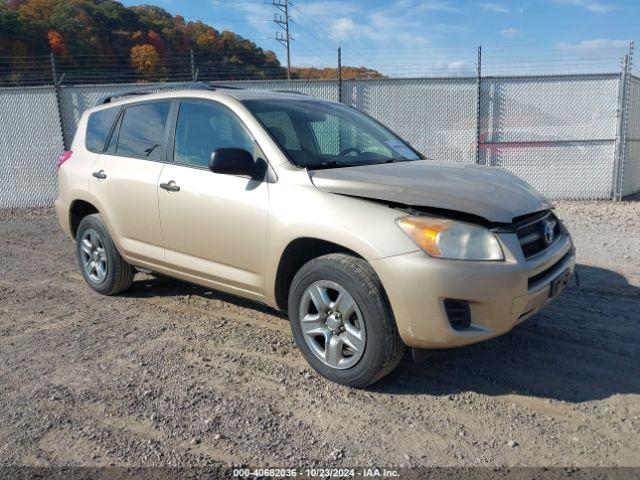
<point x="342" y="321"/>
<point x="100" y="262"/>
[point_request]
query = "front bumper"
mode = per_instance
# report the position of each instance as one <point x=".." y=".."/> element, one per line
<point x="500" y="294"/>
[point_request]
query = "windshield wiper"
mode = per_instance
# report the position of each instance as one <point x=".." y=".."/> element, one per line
<point x="328" y="164"/>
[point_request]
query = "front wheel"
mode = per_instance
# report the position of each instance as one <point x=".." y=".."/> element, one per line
<point x="100" y="262"/>
<point x="342" y="322"/>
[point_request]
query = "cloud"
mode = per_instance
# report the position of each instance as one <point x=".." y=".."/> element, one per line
<point x="492" y="7"/>
<point x="457" y="66"/>
<point x="591" y="5"/>
<point x="255" y="13"/>
<point x="434" y="6"/>
<point x="598" y="45"/>
<point x="326" y="9"/>
<point x="393" y="37"/>
<point x="510" y="32"/>
<point x="449" y="28"/>
<point x="379" y="26"/>
<point x="342" y="28"/>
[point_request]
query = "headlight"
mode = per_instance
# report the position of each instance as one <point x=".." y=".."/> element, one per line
<point x="444" y="238"/>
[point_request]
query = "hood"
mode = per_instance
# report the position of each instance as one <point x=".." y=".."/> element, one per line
<point x="488" y="192"/>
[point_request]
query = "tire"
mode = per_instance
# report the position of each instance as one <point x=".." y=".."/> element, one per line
<point x="100" y="263"/>
<point x="368" y="344"/>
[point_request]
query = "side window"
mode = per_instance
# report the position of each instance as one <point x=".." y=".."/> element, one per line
<point x="204" y="127"/>
<point x="142" y="130"/>
<point x="98" y="128"/>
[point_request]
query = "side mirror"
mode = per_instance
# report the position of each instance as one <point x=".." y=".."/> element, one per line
<point x="232" y="161"/>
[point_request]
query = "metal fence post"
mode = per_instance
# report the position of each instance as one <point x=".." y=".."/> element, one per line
<point x="56" y="86"/>
<point x="478" y="105"/>
<point x="340" y="74"/>
<point x="621" y="134"/>
<point x="194" y="75"/>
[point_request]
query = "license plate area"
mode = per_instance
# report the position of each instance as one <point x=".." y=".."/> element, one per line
<point x="558" y="284"/>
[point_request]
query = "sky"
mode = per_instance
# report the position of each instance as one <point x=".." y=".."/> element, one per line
<point x="431" y="37"/>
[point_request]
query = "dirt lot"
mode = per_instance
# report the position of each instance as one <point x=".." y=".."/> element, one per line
<point x="172" y="374"/>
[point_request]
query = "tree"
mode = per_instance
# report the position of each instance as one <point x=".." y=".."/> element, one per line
<point x="332" y="73"/>
<point x="56" y="42"/>
<point x="156" y="40"/>
<point x="145" y="60"/>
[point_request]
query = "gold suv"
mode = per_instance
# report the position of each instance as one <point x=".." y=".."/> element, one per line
<point x="311" y="207"/>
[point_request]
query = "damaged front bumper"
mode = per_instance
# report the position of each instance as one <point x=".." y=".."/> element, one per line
<point x="499" y="295"/>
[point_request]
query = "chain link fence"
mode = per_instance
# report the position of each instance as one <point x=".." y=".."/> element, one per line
<point x="557" y="133"/>
<point x="560" y="133"/>
<point x="76" y="99"/>
<point x="436" y="116"/>
<point x="631" y="165"/>
<point x="30" y="142"/>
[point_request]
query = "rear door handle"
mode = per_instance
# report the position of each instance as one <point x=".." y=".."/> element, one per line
<point x="100" y="175"/>
<point x="170" y="187"/>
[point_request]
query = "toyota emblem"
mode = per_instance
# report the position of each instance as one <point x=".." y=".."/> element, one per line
<point x="548" y="233"/>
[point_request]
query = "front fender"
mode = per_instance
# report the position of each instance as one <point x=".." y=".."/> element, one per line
<point x="364" y="227"/>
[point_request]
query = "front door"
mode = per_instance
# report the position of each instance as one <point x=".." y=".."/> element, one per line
<point x="213" y="225"/>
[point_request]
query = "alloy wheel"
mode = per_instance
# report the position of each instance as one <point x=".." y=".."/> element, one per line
<point x="332" y="324"/>
<point x="94" y="257"/>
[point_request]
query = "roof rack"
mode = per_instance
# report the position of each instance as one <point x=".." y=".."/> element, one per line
<point x="149" y="91"/>
<point x="213" y="86"/>
<point x="178" y="85"/>
<point x="291" y="91"/>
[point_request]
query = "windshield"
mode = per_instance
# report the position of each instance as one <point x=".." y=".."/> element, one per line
<point x="327" y="135"/>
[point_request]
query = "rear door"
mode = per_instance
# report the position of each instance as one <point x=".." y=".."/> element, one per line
<point x="125" y="178"/>
<point x="213" y="227"/>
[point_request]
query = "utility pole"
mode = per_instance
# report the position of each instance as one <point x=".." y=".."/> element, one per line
<point x="479" y="105"/>
<point x="283" y="19"/>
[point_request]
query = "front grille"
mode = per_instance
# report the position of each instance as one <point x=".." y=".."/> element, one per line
<point x="533" y="281"/>
<point x="533" y="236"/>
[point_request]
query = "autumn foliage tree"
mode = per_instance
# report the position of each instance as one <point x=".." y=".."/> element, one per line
<point x="56" y="43"/>
<point x="332" y="73"/>
<point x="156" y="41"/>
<point x="145" y="60"/>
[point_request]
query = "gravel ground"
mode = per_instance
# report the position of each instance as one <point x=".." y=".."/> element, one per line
<point x="175" y="375"/>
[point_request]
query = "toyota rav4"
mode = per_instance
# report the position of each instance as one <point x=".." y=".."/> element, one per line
<point x="313" y="208"/>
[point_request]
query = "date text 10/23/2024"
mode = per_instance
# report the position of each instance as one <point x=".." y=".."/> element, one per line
<point x="315" y="472"/>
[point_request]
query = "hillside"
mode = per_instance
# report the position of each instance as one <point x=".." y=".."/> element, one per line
<point x="329" y="73"/>
<point x="98" y="41"/>
<point x="101" y="40"/>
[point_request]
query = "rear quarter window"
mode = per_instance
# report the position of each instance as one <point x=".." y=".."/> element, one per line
<point x="98" y="128"/>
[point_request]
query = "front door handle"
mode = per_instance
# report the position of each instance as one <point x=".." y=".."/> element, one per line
<point x="100" y="175"/>
<point x="170" y="187"/>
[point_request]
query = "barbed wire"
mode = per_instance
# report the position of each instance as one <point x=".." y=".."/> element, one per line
<point x="241" y="64"/>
